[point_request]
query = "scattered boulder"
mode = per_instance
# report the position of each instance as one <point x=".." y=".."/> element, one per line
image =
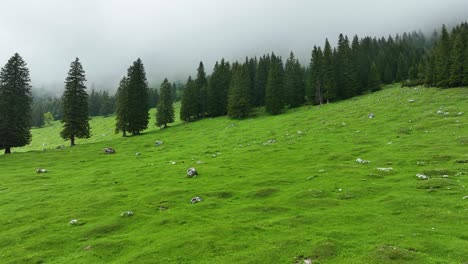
<point x="465" y="197"/>
<point x="158" y="143"/>
<point x="60" y="147"/>
<point x="359" y="160"/>
<point x="200" y="162"/>
<point x="173" y="162"/>
<point x="126" y="214"/>
<point x="73" y="222"/>
<point x="192" y="172"/>
<point x="39" y="170"/>
<point x="411" y="101"/>
<point x="196" y="200"/>
<point x="371" y="115"/>
<point x="460" y="113"/>
<point x="462" y="161"/>
<point x="385" y="169"/>
<point x="137" y="154"/>
<point x="109" y="151"/>
<point x="422" y="176"/>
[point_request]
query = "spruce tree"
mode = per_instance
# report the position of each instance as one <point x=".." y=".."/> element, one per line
<point x="294" y="86"/>
<point x="274" y="93"/>
<point x="329" y="81"/>
<point x="456" y="62"/>
<point x="15" y="104"/>
<point x="189" y="103"/>
<point x="239" y="92"/>
<point x="315" y="92"/>
<point x="75" y="105"/>
<point x="105" y="108"/>
<point x="374" y="81"/>
<point x="201" y="84"/>
<point x="442" y="59"/>
<point x="261" y="77"/>
<point x="138" y="101"/>
<point x="218" y="87"/>
<point x="165" y="109"/>
<point x="122" y="108"/>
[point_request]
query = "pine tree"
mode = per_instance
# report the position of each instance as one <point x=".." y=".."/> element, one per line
<point x="329" y="81"/>
<point x="261" y="77"/>
<point x="105" y="108"/>
<point x="456" y="62"/>
<point x="274" y="94"/>
<point x="218" y="87"/>
<point x="201" y="84"/>
<point x="442" y="59"/>
<point x="189" y="103"/>
<point x="122" y="108"/>
<point x="138" y="101"/>
<point x="153" y="96"/>
<point x="75" y="105"/>
<point x="294" y="86"/>
<point x="165" y="109"/>
<point x="429" y="70"/>
<point x="315" y="91"/>
<point x="239" y="96"/>
<point x="15" y="104"/>
<point x="252" y="70"/>
<point x="374" y="81"/>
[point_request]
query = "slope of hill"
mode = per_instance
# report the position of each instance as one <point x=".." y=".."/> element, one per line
<point x="275" y="189"/>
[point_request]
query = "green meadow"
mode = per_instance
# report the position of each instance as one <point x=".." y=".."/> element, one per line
<point x="275" y="189"/>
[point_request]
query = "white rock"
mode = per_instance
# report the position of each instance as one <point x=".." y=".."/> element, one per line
<point x="371" y="115"/>
<point x="195" y="200"/>
<point x="460" y="113"/>
<point x="126" y="214"/>
<point x="445" y="176"/>
<point x="41" y="170"/>
<point x="385" y="169"/>
<point x="422" y="176"/>
<point x="359" y="160"/>
<point x="73" y="222"/>
<point x="340" y="190"/>
<point x="465" y="197"/>
<point x="411" y="100"/>
<point x="192" y="172"/>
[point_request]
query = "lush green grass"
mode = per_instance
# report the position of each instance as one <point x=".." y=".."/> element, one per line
<point x="302" y="196"/>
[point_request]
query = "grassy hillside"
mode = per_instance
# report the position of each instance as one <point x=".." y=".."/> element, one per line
<point x="303" y="196"/>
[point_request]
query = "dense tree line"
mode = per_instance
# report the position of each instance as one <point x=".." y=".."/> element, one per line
<point x="100" y="103"/>
<point x="447" y="64"/>
<point x="351" y="68"/>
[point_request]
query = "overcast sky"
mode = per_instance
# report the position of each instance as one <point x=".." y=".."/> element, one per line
<point x="172" y="36"/>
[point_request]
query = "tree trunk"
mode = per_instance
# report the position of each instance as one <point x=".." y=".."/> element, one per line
<point x="124" y="133"/>
<point x="165" y="125"/>
<point x="72" y="139"/>
<point x="7" y="150"/>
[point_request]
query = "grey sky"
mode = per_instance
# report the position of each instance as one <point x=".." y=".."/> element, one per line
<point x="172" y="36"/>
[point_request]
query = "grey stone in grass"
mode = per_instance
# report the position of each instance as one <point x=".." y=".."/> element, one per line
<point x="195" y="200"/>
<point x="137" y="154"/>
<point x="127" y="214"/>
<point x="371" y="115"/>
<point x="73" y="222"/>
<point x="39" y="170"/>
<point x="158" y="143"/>
<point x="362" y="161"/>
<point x="385" y="169"/>
<point x="109" y="151"/>
<point x="422" y="176"/>
<point x="192" y="172"/>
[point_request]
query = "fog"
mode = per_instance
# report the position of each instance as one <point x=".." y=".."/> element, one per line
<point x="171" y="37"/>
